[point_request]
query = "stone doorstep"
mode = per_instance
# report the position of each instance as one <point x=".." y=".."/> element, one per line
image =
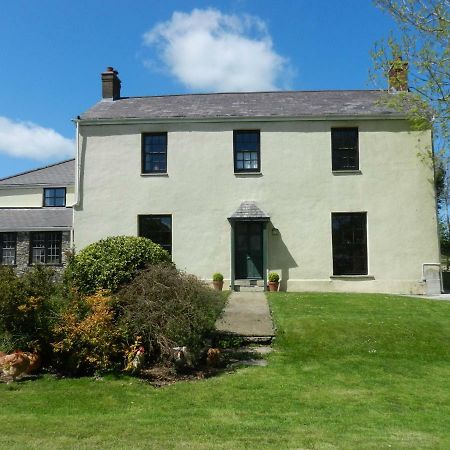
<point x="248" y="288"/>
<point x="249" y="283"/>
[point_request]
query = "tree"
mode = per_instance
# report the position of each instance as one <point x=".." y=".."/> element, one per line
<point x="423" y="40"/>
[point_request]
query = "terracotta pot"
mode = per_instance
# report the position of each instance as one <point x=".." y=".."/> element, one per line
<point x="273" y="286"/>
<point x="218" y="285"/>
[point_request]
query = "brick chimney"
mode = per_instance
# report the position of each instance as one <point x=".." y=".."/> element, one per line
<point x="110" y="84"/>
<point x="398" y="75"/>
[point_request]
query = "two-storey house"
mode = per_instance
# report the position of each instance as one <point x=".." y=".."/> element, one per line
<point x="36" y="216"/>
<point x="331" y="189"/>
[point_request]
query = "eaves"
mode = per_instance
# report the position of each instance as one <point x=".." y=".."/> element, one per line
<point x="332" y="117"/>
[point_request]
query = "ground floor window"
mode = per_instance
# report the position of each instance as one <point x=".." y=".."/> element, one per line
<point x="349" y="234"/>
<point x="158" y="228"/>
<point x="8" y="244"/>
<point x="45" y="247"/>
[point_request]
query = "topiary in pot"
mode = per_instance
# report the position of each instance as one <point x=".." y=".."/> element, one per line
<point x="218" y="281"/>
<point x="274" y="279"/>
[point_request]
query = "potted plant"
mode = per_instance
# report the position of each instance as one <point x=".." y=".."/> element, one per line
<point x="274" y="279"/>
<point x="218" y="281"/>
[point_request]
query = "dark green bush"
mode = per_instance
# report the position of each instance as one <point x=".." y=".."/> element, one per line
<point x="111" y="262"/>
<point x="29" y="307"/>
<point x="168" y="308"/>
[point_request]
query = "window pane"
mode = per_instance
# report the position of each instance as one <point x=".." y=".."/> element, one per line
<point x="53" y="248"/>
<point x="37" y="248"/>
<point x="158" y="229"/>
<point x="349" y="243"/>
<point x="344" y="144"/>
<point x="154" y="158"/>
<point x="46" y="247"/>
<point x="8" y="248"/>
<point x="55" y="197"/>
<point x="246" y="150"/>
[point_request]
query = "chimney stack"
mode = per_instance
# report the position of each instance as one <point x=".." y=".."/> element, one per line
<point x="398" y="75"/>
<point x="110" y="84"/>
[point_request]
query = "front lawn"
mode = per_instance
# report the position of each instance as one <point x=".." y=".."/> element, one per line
<point x="349" y="371"/>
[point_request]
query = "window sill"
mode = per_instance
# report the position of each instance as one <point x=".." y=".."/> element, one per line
<point x="248" y="174"/>
<point x="165" y="174"/>
<point x="45" y="265"/>
<point x="346" y="172"/>
<point x="352" y="277"/>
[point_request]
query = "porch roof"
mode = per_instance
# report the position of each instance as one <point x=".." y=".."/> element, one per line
<point x="249" y="210"/>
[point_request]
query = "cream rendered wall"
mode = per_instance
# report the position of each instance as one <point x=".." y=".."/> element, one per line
<point x="29" y="197"/>
<point x="296" y="188"/>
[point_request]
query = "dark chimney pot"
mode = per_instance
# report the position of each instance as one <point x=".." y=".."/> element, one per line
<point x="110" y="84"/>
<point x="398" y="75"/>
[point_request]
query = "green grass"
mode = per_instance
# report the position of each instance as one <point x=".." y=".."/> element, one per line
<point x="349" y="372"/>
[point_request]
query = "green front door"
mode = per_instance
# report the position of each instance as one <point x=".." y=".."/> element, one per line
<point x="248" y="250"/>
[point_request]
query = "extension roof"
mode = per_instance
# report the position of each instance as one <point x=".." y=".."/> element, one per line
<point x="59" y="174"/>
<point x="29" y="219"/>
<point x="282" y="104"/>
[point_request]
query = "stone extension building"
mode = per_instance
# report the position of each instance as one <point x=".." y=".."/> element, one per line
<point x="36" y="216"/>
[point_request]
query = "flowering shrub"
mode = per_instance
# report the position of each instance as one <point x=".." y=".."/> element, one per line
<point x="88" y="338"/>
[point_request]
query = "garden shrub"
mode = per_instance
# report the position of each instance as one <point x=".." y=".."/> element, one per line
<point x="29" y="307"/>
<point x="111" y="262"/>
<point x="87" y="336"/>
<point x="167" y="308"/>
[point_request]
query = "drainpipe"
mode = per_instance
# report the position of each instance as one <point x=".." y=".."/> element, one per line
<point x="265" y="254"/>
<point x="77" y="165"/>
<point x="232" y="258"/>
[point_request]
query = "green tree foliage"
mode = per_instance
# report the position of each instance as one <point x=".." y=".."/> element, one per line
<point x="423" y="40"/>
<point x="29" y="307"/>
<point x="111" y="262"/>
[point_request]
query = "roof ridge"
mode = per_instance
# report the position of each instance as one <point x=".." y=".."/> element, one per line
<point x="250" y="92"/>
<point x="35" y="170"/>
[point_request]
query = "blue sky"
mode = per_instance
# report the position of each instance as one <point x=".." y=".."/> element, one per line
<point x="54" y="51"/>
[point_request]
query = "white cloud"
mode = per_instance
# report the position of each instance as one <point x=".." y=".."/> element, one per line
<point x="212" y="51"/>
<point x="28" y="140"/>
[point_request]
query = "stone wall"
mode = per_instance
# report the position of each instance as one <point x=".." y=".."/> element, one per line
<point x="23" y="252"/>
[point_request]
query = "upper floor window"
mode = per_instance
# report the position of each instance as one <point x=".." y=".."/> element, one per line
<point x="344" y="148"/>
<point x="158" y="228"/>
<point x="55" y="197"/>
<point x="8" y="243"/>
<point x="45" y="247"/>
<point x="247" y="151"/>
<point x="154" y="153"/>
<point x="349" y="233"/>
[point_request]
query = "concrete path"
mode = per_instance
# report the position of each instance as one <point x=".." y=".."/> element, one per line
<point x="247" y="314"/>
<point x="442" y="297"/>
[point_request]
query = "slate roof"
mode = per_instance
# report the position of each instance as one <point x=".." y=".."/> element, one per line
<point x="59" y="174"/>
<point x="245" y="104"/>
<point x="249" y="210"/>
<point x="23" y="219"/>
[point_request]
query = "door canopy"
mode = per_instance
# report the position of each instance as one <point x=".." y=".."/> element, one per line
<point x="250" y="211"/>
